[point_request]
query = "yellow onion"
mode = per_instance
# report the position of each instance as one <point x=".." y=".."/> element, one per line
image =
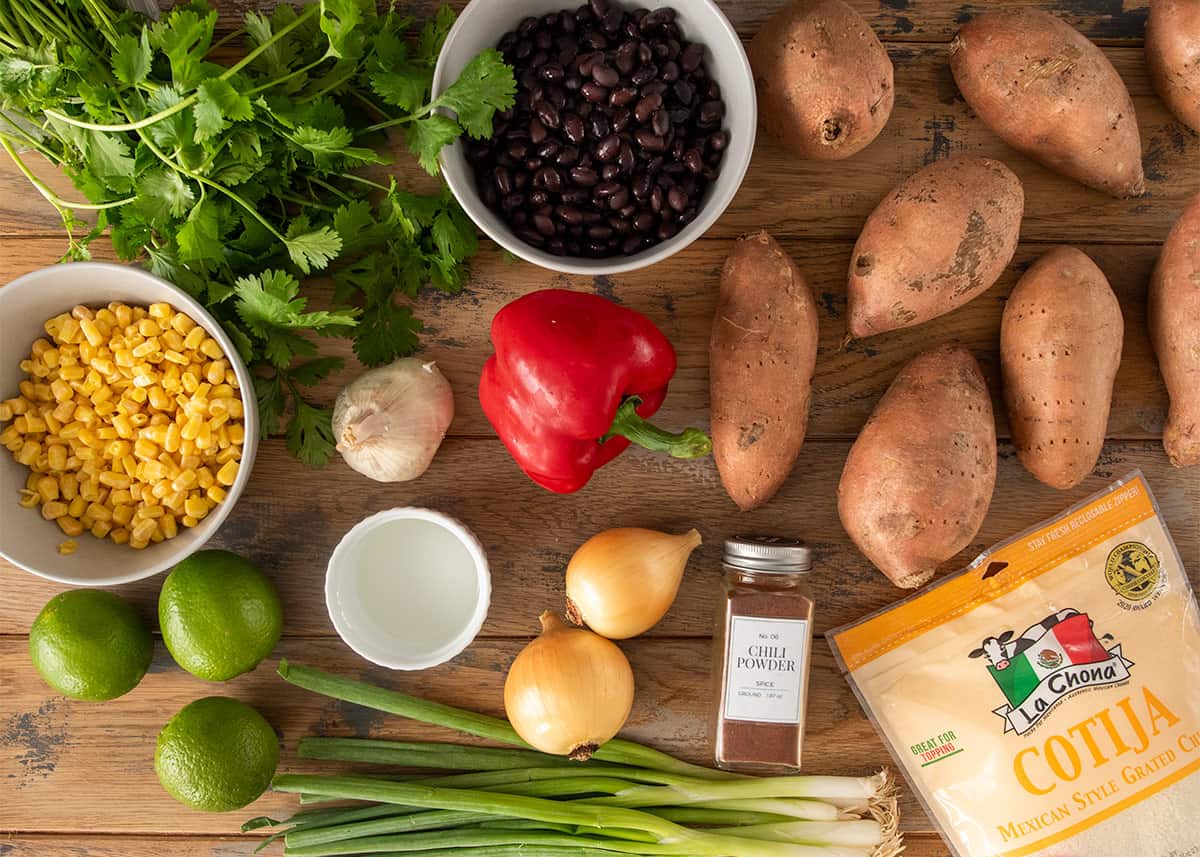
<point x="568" y="691"/>
<point x="622" y="581"/>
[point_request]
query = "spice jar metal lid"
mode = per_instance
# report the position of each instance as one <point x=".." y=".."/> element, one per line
<point x="770" y="554"/>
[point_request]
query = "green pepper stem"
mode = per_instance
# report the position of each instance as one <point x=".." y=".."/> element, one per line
<point x="689" y="443"/>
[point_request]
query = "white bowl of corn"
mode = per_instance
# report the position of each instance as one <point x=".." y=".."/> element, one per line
<point x="128" y="424"/>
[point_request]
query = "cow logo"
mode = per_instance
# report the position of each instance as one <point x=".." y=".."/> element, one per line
<point x="1133" y="572"/>
<point x="1048" y="662"/>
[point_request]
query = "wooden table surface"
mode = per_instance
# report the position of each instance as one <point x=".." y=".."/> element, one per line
<point x="77" y="778"/>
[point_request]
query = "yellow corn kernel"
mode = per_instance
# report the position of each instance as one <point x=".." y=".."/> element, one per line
<point x="68" y="484"/>
<point x="119" y="536"/>
<point x="192" y="428"/>
<point x="34" y="423"/>
<point x="68" y="547"/>
<point x="205" y="477"/>
<point x="121" y="497"/>
<point x="122" y="515"/>
<point x="87" y="352"/>
<point x="227" y="475"/>
<point x="123" y="426"/>
<point x="148" y="327"/>
<point x="138" y="394"/>
<point x="123" y="313"/>
<point x="102" y="395"/>
<point x="85" y="414"/>
<point x="160" y="419"/>
<point x="99" y="512"/>
<point x="115" y="480"/>
<point x="159" y="310"/>
<point x="56" y="458"/>
<point x="139" y="419"/>
<point x="157" y="397"/>
<point x="214" y="373"/>
<point x="216" y="493"/>
<point x="175" y="501"/>
<point x="70" y="526"/>
<point x="54" y="509"/>
<point x="173" y="356"/>
<point x="37" y="368"/>
<point x="211" y="348"/>
<point x="194" y="337"/>
<point x="232" y="453"/>
<point x="103" y="365"/>
<point x="146" y="348"/>
<point x="100" y="529"/>
<point x="145" y="449"/>
<point x="148" y="511"/>
<point x="61" y="390"/>
<point x="196" y="407"/>
<point x="190" y="381"/>
<point x="123" y="357"/>
<point x="204" y="440"/>
<point x="6" y="411"/>
<point x="196" y="507"/>
<point x="29" y="499"/>
<point x="106" y="433"/>
<point x="77" y="506"/>
<point x="47" y="487"/>
<point x="152" y="471"/>
<point x="91" y="332"/>
<point x="138" y="545"/>
<point x="28" y="452"/>
<point x="129" y="464"/>
<point x="89" y="489"/>
<point x="182" y="323"/>
<point x="188" y="460"/>
<point x="189" y="521"/>
<point x="81" y="312"/>
<point x="184" y="480"/>
<point x="167" y="526"/>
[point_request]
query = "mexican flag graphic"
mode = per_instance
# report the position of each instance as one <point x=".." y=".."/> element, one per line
<point x="1068" y="643"/>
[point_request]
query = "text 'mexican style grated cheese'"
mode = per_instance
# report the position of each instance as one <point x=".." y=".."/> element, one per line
<point x="1046" y="699"/>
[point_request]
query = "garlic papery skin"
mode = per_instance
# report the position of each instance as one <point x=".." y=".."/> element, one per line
<point x="568" y="691"/>
<point x="390" y="421"/>
<point x="621" y="582"/>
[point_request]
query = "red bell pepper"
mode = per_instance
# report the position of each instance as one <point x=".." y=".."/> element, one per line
<point x="573" y="377"/>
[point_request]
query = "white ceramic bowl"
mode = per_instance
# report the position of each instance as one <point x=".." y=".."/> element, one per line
<point x="408" y="588"/>
<point x="481" y="25"/>
<point x="28" y="541"/>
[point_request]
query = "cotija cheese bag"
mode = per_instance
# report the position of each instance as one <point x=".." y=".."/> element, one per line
<point x="1046" y="699"/>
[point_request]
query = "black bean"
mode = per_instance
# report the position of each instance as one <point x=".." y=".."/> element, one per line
<point x="612" y="20"/>
<point x="575" y="197"/>
<point x="687" y="217"/>
<point x="569" y="215"/>
<point x="692" y="56"/>
<point x="507" y="42"/>
<point x="598" y="126"/>
<point x="513" y="200"/>
<point x="572" y="125"/>
<point x="667" y="230"/>
<point x="539" y="198"/>
<point x="649" y="141"/>
<point x="605" y="75"/>
<point x="684" y="91"/>
<point x="547" y="113"/>
<point x="532" y="164"/>
<point x="523" y="49"/>
<point x="599" y="232"/>
<point x="537" y="131"/>
<point x="646" y="73"/>
<point x="610" y="172"/>
<point x="503" y="179"/>
<point x="677" y="150"/>
<point x="572" y="82"/>
<point x="626" y="159"/>
<point x="531" y="236"/>
<point x="660" y="123"/>
<point x="606" y="189"/>
<point x="593" y="92"/>
<point x="543" y="224"/>
<point x="556" y="246"/>
<point x="646" y="106"/>
<point x="527" y="26"/>
<point x="654" y="87"/>
<point x="632" y="244"/>
<point x="641" y="185"/>
<point x="549" y="178"/>
<point x="519" y="217"/>
<point x="677" y="199"/>
<point x="626" y="57"/>
<point x="655" y="164"/>
<point x="520" y="180"/>
<point x="585" y="176"/>
<point x="645" y="221"/>
<point x="622" y="96"/>
<point x="694" y="162"/>
<point x="657" y="200"/>
<point x="595" y="40"/>
<point x="712" y="90"/>
<point x="552" y="71"/>
<point x="608" y="148"/>
<point x="599" y="7"/>
<point x="567" y="156"/>
<point x="672" y="45"/>
<point x="516" y="149"/>
<point x="550" y="20"/>
<point x="620" y="119"/>
<point x="660" y="49"/>
<point x="670" y="71"/>
<point x="679" y="115"/>
<point x="490" y="197"/>
<point x="620" y="199"/>
<point x="539" y="59"/>
<point x="718" y="140"/>
<point x="590" y="217"/>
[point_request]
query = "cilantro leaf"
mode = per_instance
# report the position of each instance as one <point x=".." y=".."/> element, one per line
<point x="312" y="372"/>
<point x="402" y="85"/>
<point x="433" y="36"/>
<point x="185" y="37"/>
<point x="329" y="149"/>
<point x="163" y="196"/>
<point x="427" y="136"/>
<point x="200" y="237"/>
<point x="131" y="58"/>
<point x="484" y="86"/>
<point x="312" y="249"/>
<point x="272" y="403"/>
<point x="217" y="104"/>
<point x="385" y="332"/>
<point x="270" y="300"/>
<point x="310" y="434"/>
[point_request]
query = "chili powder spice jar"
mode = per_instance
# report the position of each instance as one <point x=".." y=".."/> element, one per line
<point x="761" y="654"/>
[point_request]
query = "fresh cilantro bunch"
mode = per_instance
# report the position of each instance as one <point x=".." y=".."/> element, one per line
<point x="235" y="181"/>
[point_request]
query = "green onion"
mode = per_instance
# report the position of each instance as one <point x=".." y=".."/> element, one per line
<point x="424" y="754"/>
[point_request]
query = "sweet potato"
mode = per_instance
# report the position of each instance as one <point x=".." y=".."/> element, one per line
<point x="1173" y="56"/>
<point x="1048" y="92"/>
<point x="1174" y="313"/>
<point x="762" y="353"/>
<point x="1060" y="346"/>
<point x="918" y="481"/>
<point x="940" y="238"/>
<point x="824" y="81"/>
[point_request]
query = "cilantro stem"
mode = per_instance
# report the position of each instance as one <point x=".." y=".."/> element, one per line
<point x="191" y="99"/>
<point x="366" y="181"/>
<point x="273" y="83"/>
<point x="50" y="196"/>
<point x="333" y="190"/>
<point x="224" y="40"/>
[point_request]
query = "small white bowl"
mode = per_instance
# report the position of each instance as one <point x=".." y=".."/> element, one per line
<point x="26" y="540"/>
<point x="408" y="588"/>
<point x="481" y="25"/>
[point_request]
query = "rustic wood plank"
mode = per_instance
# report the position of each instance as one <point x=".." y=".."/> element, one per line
<point x="1105" y="21"/>
<point x="92" y="845"/>
<point x="831" y="199"/>
<point x="70" y="766"/>
<point x="680" y="295"/>
<point x="529" y="534"/>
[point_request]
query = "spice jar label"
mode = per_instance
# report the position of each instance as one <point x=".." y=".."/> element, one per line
<point x="766" y="665"/>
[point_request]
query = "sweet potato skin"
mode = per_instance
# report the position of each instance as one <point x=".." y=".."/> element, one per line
<point x="1174" y="313"/>
<point x="919" y="478"/>
<point x="1060" y="346"/>
<point x="940" y="238"/>
<point x="762" y="355"/>
<point x="824" y="81"/>
<point x="1173" y="57"/>
<point x="1048" y="92"/>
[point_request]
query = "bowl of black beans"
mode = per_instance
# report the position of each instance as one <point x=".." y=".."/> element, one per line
<point x="631" y="132"/>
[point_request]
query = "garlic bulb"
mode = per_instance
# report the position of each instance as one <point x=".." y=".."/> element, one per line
<point x="390" y="421"/>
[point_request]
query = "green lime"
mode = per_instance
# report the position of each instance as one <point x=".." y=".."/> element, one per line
<point x="90" y="644"/>
<point x="216" y="754"/>
<point x="219" y="615"/>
